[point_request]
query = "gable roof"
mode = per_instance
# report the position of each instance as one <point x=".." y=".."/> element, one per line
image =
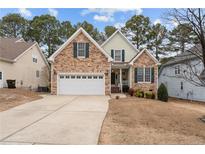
<point x="52" y="57"/>
<point x="187" y="55"/>
<point x="140" y="53"/>
<point x="12" y="48"/>
<point x="115" y="33"/>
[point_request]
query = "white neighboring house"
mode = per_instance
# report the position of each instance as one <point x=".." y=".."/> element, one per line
<point x="171" y="75"/>
<point x="24" y="62"/>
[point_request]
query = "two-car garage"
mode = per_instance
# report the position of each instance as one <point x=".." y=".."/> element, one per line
<point x="81" y="84"/>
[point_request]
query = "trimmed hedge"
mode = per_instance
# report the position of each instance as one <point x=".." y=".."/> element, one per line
<point x="162" y="93"/>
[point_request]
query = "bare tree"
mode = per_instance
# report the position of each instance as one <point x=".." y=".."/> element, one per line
<point x="195" y="17"/>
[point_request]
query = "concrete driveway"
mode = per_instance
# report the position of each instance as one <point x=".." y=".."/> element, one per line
<point x="54" y="120"/>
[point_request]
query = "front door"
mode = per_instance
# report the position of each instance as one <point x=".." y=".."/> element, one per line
<point x="113" y="78"/>
<point x="1" y="79"/>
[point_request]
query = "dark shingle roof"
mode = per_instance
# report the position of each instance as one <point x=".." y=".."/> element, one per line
<point x="11" y="48"/>
<point x="184" y="56"/>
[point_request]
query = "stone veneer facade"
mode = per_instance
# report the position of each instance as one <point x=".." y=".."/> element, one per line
<point x="64" y="62"/>
<point x="145" y="61"/>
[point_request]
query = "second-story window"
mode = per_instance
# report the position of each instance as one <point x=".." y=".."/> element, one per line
<point x="81" y="50"/>
<point x="177" y="69"/>
<point x="34" y="58"/>
<point x="118" y="55"/>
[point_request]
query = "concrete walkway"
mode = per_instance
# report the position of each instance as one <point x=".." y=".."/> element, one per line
<point x="54" y="120"/>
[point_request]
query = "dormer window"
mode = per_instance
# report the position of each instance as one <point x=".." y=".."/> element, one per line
<point x="118" y="55"/>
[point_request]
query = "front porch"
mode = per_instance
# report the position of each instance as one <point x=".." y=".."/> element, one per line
<point x="120" y="78"/>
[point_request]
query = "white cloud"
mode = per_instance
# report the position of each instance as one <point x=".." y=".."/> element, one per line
<point x="53" y="12"/>
<point x="106" y="15"/>
<point x="102" y="18"/>
<point x="139" y="11"/>
<point x="157" y="21"/>
<point x="25" y="12"/>
<point x="119" y="25"/>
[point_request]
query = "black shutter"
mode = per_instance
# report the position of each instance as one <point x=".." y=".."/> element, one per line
<point x="123" y="55"/>
<point x="152" y="74"/>
<point x="136" y="75"/>
<point x="87" y="50"/>
<point x="112" y="53"/>
<point x="75" y="50"/>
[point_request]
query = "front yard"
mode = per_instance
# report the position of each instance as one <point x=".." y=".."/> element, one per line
<point x="144" y="121"/>
<point x="10" y="98"/>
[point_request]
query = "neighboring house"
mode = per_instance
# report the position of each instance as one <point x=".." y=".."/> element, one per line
<point x="24" y="62"/>
<point x="172" y="75"/>
<point x="82" y="67"/>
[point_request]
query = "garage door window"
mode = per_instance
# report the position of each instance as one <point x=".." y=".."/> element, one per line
<point x="61" y="77"/>
<point x="72" y="77"/>
<point x="100" y="77"/>
<point x="83" y="77"/>
<point x="78" y="77"/>
<point x="67" y="77"/>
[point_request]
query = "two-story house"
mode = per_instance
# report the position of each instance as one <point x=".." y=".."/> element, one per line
<point x="82" y="67"/>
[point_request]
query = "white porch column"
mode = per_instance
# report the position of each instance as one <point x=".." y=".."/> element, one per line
<point x="121" y="80"/>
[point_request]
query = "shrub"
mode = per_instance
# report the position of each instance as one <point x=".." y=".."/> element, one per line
<point x="139" y="93"/>
<point x="162" y="93"/>
<point x="153" y="96"/>
<point x="148" y="95"/>
<point x="131" y="91"/>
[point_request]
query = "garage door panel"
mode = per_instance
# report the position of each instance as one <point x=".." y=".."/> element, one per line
<point x="82" y="85"/>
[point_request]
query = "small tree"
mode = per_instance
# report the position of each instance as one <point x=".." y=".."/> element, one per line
<point x="162" y="93"/>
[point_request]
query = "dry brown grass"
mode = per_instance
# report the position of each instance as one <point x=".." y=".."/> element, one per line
<point x="141" y="121"/>
<point x="10" y="98"/>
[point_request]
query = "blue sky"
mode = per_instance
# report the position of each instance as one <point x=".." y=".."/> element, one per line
<point x="98" y="17"/>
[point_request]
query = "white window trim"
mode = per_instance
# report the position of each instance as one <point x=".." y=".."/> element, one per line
<point x="144" y="75"/>
<point x="120" y="54"/>
<point x="81" y="57"/>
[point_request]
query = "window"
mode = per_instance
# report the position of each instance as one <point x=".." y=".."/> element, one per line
<point x="72" y="77"/>
<point x="182" y="85"/>
<point x="118" y="55"/>
<point x="83" y="77"/>
<point x="89" y="77"/>
<point x="177" y="69"/>
<point x="61" y="77"/>
<point x="148" y="74"/>
<point x="37" y="74"/>
<point x="140" y="75"/>
<point x="100" y="77"/>
<point x="95" y="77"/>
<point x="81" y="49"/>
<point x="67" y="77"/>
<point x="0" y="75"/>
<point x="78" y="77"/>
<point x="34" y="58"/>
<point x="144" y="74"/>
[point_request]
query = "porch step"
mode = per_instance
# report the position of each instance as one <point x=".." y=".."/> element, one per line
<point x="115" y="90"/>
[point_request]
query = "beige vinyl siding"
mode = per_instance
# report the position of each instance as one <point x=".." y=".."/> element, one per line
<point x="118" y="42"/>
<point x="24" y="70"/>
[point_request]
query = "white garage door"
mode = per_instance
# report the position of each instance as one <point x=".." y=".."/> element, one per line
<point x="81" y="84"/>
